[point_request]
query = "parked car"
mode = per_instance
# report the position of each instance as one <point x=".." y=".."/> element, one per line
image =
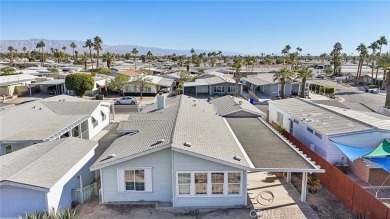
<point x="127" y="100"/>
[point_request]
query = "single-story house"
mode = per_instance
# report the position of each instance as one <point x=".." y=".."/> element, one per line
<point x="264" y="85"/>
<point x="49" y="119"/>
<point x="156" y="84"/>
<point x="15" y="84"/>
<point x="190" y="152"/>
<point x="41" y="177"/>
<point x="212" y="86"/>
<point x="322" y="126"/>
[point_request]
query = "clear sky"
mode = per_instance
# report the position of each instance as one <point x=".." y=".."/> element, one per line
<point x="250" y="26"/>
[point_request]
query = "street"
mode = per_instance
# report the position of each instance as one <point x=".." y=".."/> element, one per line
<point x="373" y="101"/>
<point x="123" y="109"/>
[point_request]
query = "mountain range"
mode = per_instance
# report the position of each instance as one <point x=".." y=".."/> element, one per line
<point x="118" y="49"/>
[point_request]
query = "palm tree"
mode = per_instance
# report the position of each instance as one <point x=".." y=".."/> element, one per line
<point x="336" y="57"/>
<point x="304" y="73"/>
<point x="11" y="53"/>
<point x="42" y="45"/>
<point x="382" y="41"/>
<point x="76" y="53"/>
<point x="89" y="44"/>
<point x="192" y="51"/>
<point x="374" y="46"/>
<point x="24" y="56"/>
<point x="97" y="45"/>
<point x="362" y="49"/>
<point x="283" y="75"/>
<point x="237" y="75"/>
<point x="150" y="56"/>
<point x="299" y="50"/>
<point x="73" y="46"/>
<point x="110" y="58"/>
<point x="135" y="52"/>
<point x="384" y="63"/>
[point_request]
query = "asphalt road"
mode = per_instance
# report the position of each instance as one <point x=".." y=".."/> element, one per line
<point x="373" y="101"/>
<point x="123" y="109"/>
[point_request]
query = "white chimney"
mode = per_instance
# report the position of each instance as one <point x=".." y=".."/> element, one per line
<point x="160" y="101"/>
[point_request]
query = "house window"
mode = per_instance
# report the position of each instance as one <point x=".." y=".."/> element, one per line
<point x="8" y="149"/>
<point x="217" y="181"/>
<point x="279" y="117"/>
<point x="135" y="180"/>
<point x="219" y="89"/>
<point x="232" y="89"/>
<point x="318" y="135"/>
<point x="296" y="121"/>
<point x="103" y="115"/>
<point x="184" y="183"/>
<point x="208" y="183"/>
<point x="234" y="183"/>
<point x="310" y="130"/>
<point x="200" y="183"/>
<point x="94" y="122"/>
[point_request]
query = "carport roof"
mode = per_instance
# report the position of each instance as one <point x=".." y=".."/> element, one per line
<point x="267" y="149"/>
<point x="51" y="82"/>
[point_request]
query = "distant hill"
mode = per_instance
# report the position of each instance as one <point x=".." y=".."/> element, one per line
<point x="119" y="49"/>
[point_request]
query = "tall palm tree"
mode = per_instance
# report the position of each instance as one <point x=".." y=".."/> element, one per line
<point x="362" y="49"/>
<point x="11" y="53"/>
<point x="42" y="45"/>
<point x="382" y="41"/>
<point x="283" y="75"/>
<point x="73" y="46"/>
<point x="192" y="51"/>
<point x="97" y="45"/>
<point x="237" y="75"/>
<point x="89" y="45"/>
<point x="336" y="57"/>
<point x="64" y="48"/>
<point x="24" y="55"/>
<point x="135" y="52"/>
<point x="299" y="50"/>
<point x="384" y="63"/>
<point x="149" y="55"/>
<point x="110" y="58"/>
<point x="374" y="46"/>
<point x="304" y="73"/>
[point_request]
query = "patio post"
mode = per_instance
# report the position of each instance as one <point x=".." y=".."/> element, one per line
<point x="288" y="177"/>
<point x="81" y="131"/>
<point x="304" y="187"/>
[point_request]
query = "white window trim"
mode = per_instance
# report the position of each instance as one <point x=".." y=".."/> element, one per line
<point x="229" y="89"/>
<point x="5" y="148"/>
<point x="223" y="88"/>
<point x="209" y="185"/>
<point x="121" y="181"/>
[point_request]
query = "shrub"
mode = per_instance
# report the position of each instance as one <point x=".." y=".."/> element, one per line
<point x="371" y="86"/>
<point x="100" y="97"/>
<point x="313" y="184"/>
<point x="279" y="61"/>
<point x="54" y="70"/>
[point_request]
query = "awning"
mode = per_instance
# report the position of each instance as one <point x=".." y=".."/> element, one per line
<point x="382" y="162"/>
<point x="353" y="153"/>
<point x="382" y="150"/>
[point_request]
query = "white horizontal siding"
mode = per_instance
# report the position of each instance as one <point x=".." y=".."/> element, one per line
<point x="160" y="162"/>
<point x="184" y="162"/>
<point x="15" y="201"/>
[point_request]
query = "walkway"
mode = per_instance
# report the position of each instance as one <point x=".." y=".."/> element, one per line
<point x="286" y="202"/>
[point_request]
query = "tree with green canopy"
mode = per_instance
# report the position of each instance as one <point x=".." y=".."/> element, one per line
<point x="119" y="84"/>
<point x="135" y="52"/>
<point x="141" y="82"/>
<point x="79" y="83"/>
<point x="283" y="75"/>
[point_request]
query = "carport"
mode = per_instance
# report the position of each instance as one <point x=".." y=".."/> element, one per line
<point x="200" y="86"/>
<point x="58" y="85"/>
<point x="269" y="151"/>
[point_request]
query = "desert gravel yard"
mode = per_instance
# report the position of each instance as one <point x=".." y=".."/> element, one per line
<point x="93" y="210"/>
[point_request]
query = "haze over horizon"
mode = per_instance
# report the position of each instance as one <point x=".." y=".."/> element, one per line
<point x="246" y="27"/>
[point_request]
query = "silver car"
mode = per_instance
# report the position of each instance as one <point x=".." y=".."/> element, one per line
<point x="127" y="100"/>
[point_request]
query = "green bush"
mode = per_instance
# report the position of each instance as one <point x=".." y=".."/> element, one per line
<point x="371" y="86"/>
<point x="100" y="97"/>
<point x="78" y="62"/>
<point x="279" y="61"/>
<point x="328" y="89"/>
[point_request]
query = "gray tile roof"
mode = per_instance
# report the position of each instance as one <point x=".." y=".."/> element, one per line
<point x="40" y="119"/>
<point x="208" y="133"/>
<point x="165" y="82"/>
<point x="227" y="105"/>
<point x="321" y="119"/>
<point x="265" y="148"/>
<point x="260" y="79"/>
<point x="43" y="164"/>
<point x="330" y="103"/>
<point x="209" y="81"/>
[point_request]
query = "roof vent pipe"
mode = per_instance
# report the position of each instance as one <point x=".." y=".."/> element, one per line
<point x="160" y="101"/>
<point x="237" y="158"/>
<point x="188" y="144"/>
<point x="240" y="102"/>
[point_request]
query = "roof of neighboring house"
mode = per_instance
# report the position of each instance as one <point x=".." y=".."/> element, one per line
<point x="165" y="82"/>
<point x="50" y="82"/>
<point x="197" y="82"/>
<point x="260" y="79"/>
<point x="227" y="105"/>
<point x="266" y="148"/>
<point x="320" y="118"/>
<point x="17" y="78"/>
<point x="192" y="126"/>
<point x="41" y="119"/>
<point x="44" y="164"/>
<point x="330" y="103"/>
<point x="209" y="81"/>
<point x="130" y="73"/>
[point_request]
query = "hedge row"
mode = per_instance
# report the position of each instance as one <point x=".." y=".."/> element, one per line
<point x="328" y="89"/>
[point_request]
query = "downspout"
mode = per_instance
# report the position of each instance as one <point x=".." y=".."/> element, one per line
<point x="173" y="179"/>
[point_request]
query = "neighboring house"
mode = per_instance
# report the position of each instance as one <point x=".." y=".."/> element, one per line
<point x="15" y="84"/>
<point x="367" y="79"/>
<point x="53" y="87"/>
<point x="264" y="85"/>
<point x="212" y="86"/>
<point x="320" y="126"/>
<point x="129" y="73"/>
<point x="156" y="84"/>
<point x="41" y="177"/>
<point x="183" y="151"/>
<point x="49" y="119"/>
